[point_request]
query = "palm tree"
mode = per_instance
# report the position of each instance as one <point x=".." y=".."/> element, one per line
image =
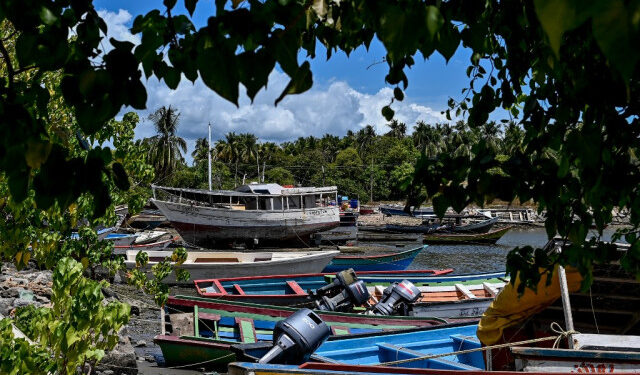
<point x="201" y="151"/>
<point x="228" y="149"/>
<point x="365" y="138"/>
<point x="249" y="149"/>
<point x="398" y="129"/>
<point x="165" y="148"/>
<point x="268" y="150"/>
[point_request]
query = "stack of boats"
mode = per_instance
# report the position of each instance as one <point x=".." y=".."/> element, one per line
<point x="396" y="322"/>
<point x="323" y="312"/>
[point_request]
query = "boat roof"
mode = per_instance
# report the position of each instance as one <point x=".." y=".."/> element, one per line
<point x="252" y="190"/>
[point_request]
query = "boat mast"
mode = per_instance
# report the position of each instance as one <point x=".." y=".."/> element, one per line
<point x="209" y="154"/>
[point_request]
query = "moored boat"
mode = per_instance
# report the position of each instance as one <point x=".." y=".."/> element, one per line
<point x="205" y="264"/>
<point x="160" y="245"/>
<point x="460" y="238"/>
<point x="379" y="262"/>
<point x="293" y="289"/>
<point x="202" y="331"/>
<point x="253" y="213"/>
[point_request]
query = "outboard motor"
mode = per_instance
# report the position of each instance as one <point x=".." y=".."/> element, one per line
<point x="351" y="292"/>
<point x="297" y="337"/>
<point x="397" y="296"/>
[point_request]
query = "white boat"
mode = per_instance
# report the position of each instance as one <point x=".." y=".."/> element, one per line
<point x="122" y="249"/>
<point x="221" y="264"/>
<point x="252" y="213"/>
<point x="146" y="237"/>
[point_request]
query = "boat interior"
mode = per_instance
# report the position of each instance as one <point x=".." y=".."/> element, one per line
<point x="197" y="257"/>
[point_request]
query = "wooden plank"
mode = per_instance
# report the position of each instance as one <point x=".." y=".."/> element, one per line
<point x="490" y="289"/>
<point x="606" y="342"/>
<point x="196" y="322"/>
<point x="238" y="289"/>
<point x="181" y="324"/>
<point x="295" y="287"/>
<point x="466" y="292"/>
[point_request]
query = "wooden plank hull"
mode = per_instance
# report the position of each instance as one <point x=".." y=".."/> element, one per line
<point x="485" y="238"/>
<point x="184" y="352"/>
<point x="383" y="262"/>
<point x="276" y="290"/>
<point x="568" y="360"/>
<point x="451" y="310"/>
<point x="312" y="368"/>
<point x="301" y="262"/>
<point x="209" y="225"/>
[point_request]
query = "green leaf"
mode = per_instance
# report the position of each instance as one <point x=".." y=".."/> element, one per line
<point x="398" y="94"/>
<point x="169" y="3"/>
<point x="217" y="66"/>
<point x="434" y="20"/>
<point x="190" y="5"/>
<point x="388" y="113"/>
<point x="559" y="16"/>
<point x="448" y="41"/>
<point x="616" y="37"/>
<point x="440" y="205"/>
<point x="120" y="177"/>
<point x="301" y="82"/>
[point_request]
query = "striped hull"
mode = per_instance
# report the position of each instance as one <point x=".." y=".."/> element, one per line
<point x="384" y="262"/>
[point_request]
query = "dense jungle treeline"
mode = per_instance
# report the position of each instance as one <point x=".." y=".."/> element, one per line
<point x="362" y="164"/>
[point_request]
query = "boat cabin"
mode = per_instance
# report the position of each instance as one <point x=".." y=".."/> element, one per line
<point x="261" y="197"/>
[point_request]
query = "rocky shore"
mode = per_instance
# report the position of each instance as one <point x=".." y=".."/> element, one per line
<point x="135" y="349"/>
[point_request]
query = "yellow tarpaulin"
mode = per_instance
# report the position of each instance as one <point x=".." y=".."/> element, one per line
<point x="509" y="309"/>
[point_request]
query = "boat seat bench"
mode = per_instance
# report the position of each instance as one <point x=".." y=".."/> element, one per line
<point x="390" y="352"/>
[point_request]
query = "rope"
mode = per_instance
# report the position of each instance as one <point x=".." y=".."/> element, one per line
<point x="555" y="327"/>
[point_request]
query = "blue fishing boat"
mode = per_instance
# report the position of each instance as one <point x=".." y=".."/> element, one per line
<point x="380" y="262"/>
<point x="388" y="348"/>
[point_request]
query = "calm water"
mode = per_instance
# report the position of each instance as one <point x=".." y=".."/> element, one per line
<point x="481" y="258"/>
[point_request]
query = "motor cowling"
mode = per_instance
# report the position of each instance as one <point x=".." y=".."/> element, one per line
<point x="296" y="338"/>
<point x="345" y="292"/>
<point x="396" y="297"/>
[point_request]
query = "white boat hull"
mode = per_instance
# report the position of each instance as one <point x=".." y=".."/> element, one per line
<point x="275" y="264"/>
<point x="207" y="225"/>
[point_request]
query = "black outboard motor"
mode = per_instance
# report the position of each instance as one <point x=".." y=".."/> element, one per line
<point x="397" y="297"/>
<point x="350" y="292"/>
<point x="296" y="338"/>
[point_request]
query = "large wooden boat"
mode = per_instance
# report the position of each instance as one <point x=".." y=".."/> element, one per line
<point x="252" y="213"/>
<point x="461" y="238"/>
<point x="202" y="331"/>
<point x="380" y="262"/>
<point x="206" y="264"/>
<point x="292" y="289"/>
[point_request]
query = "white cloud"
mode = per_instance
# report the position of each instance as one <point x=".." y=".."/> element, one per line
<point x="331" y="107"/>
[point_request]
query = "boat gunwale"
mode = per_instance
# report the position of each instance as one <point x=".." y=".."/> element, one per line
<point x="253" y="308"/>
<point x="385" y="255"/>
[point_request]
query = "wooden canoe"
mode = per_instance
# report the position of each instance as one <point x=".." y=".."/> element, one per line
<point x="206" y="264"/>
<point x="216" y="325"/>
<point x="460" y="238"/>
<point x="379" y="348"/>
<point x="380" y="262"/>
<point x="314" y="368"/>
<point x="292" y="289"/>
<point x="160" y="245"/>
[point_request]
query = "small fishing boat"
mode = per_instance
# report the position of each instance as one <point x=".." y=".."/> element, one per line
<point x="121" y="239"/>
<point x="316" y="368"/>
<point x="385" y="348"/>
<point x="380" y="262"/>
<point x="160" y="245"/>
<point x="396" y="210"/>
<point x="293" y="289"/>
<point x="146" y="237"/>
<point x="479" y="227"/>
<point x="201" y="331"/>
<point x="386" y="236"/>
<point x="460" y="238"/>
<point x="205" y="264"/>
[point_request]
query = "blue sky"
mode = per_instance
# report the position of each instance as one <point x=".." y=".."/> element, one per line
<point x="350" y="88"/>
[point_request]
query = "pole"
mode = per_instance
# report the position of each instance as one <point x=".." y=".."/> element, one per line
<point x="371" y="181"/>
<point x="209" y="154"/>
<point x="566" y="303"/>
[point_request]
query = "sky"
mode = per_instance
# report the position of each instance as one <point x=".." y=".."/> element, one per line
<point x="348" y="92"/>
